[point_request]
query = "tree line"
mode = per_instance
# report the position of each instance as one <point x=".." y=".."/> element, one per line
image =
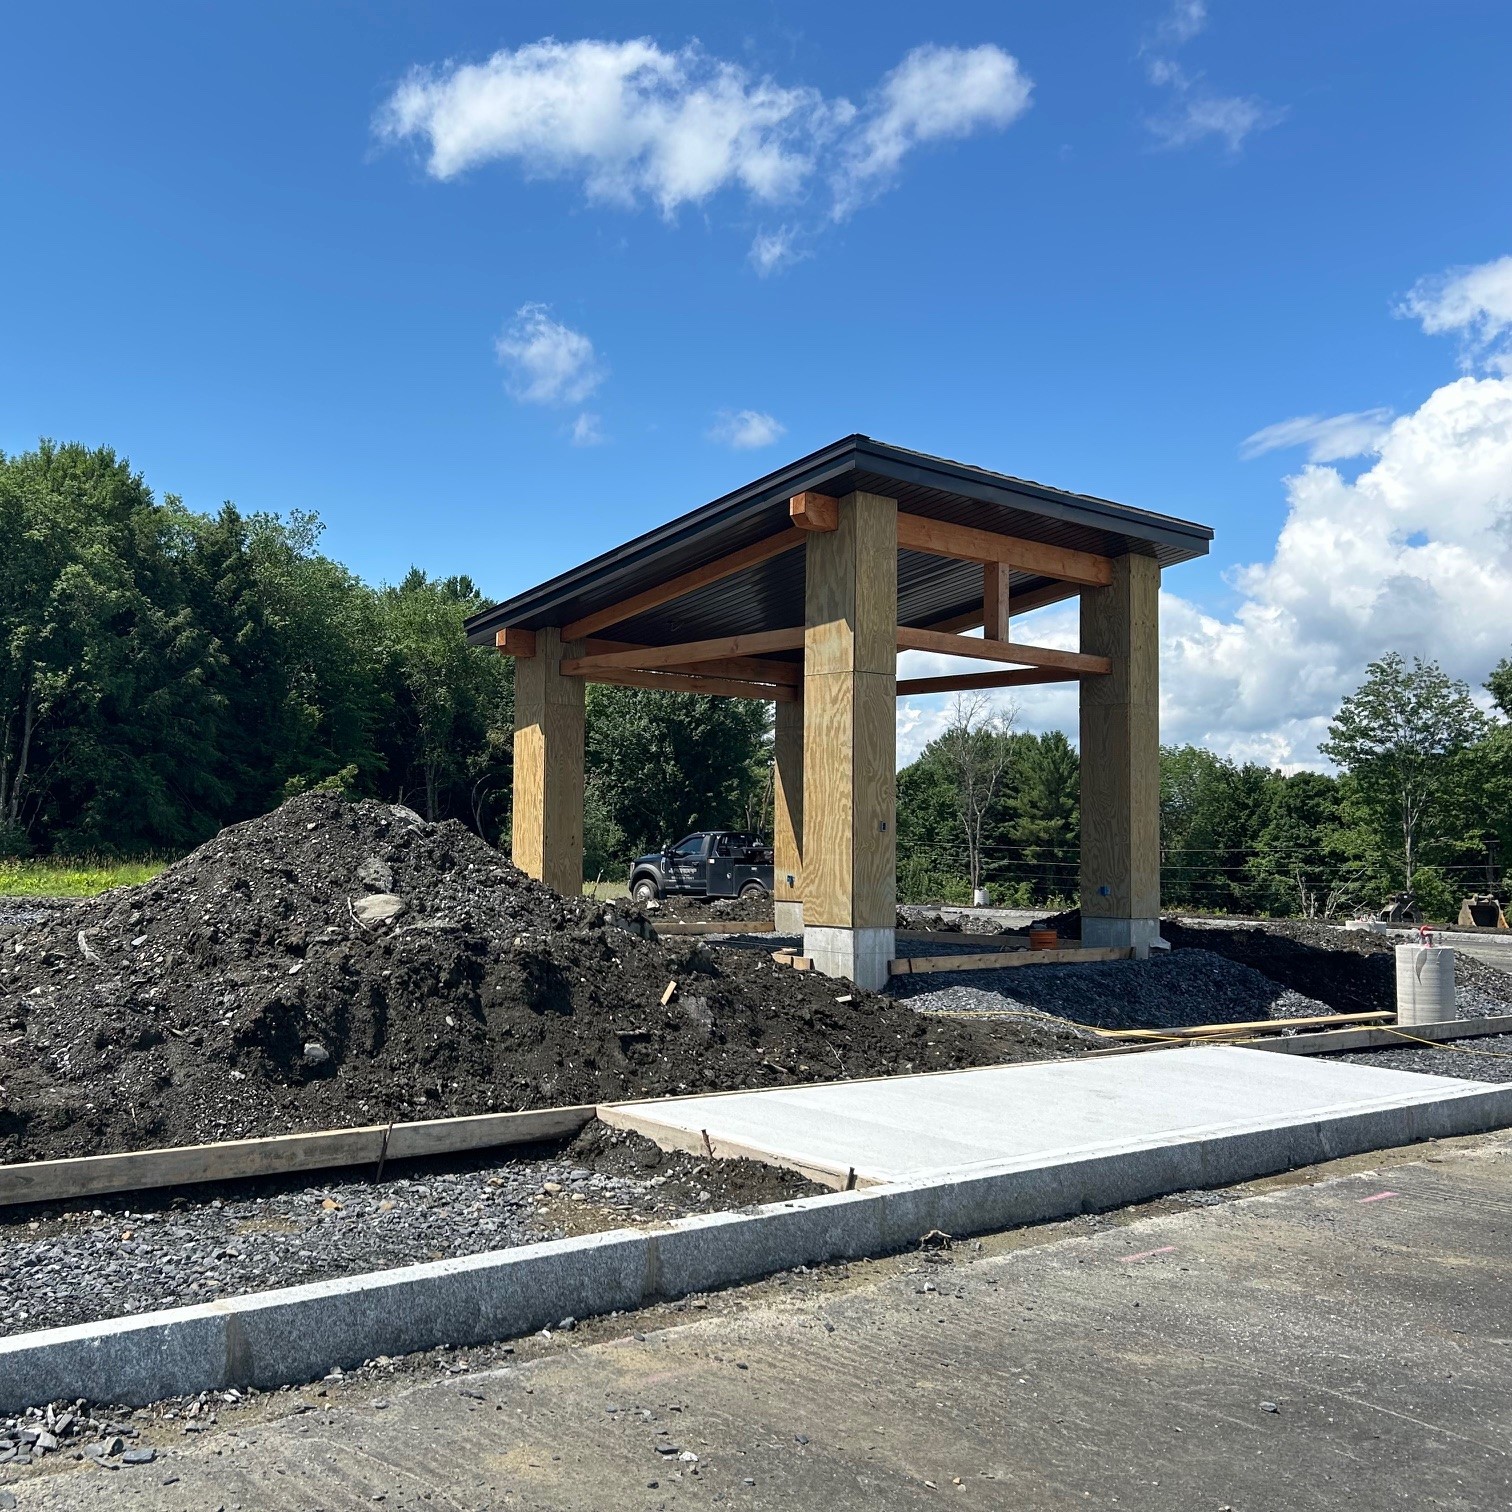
<point x="164" y="673"/>
<point x="1422" y="801"/>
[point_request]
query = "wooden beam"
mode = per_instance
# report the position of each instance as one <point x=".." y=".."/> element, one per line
<point x="648" y="658"/>
<point x="520" y="644"/>
<point x="1003" y="960"/>
<point x="674" y="588"/>
<point x="941" y="538"/>
<point x="1406" y="1037"/>
<point x="814" y="511"/>
<point x="741" y="668"/>
<point x="279" y="1154"/>
<point x="995" y="599"/>
<point x="994" y="650"/>
<point x="1035" y="598"/>
<point x="687" y="682"/>
<point x="970" y="681"/>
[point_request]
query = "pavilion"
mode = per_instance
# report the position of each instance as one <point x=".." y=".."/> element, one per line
<point x="800" y="589"/>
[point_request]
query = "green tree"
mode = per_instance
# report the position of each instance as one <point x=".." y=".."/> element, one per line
<point x="1403" y="739"/>
<point x="668" y="763"/>
<point x="1046" y="815"/>
<point x="452" y="703"/>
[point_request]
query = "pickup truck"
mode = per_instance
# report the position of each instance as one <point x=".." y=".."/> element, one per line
<point x="712" y="864"/>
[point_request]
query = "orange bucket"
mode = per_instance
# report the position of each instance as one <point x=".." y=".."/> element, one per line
<point x="1043" y="939"/>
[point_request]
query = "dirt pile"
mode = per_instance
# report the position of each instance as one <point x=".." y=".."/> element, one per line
<point x="334" y="964"/>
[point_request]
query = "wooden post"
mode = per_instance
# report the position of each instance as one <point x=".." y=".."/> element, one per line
<point x="849" y="742"/>
<point x="787" y="819"/>
<point x="1120" y="759"/>
<point x="995" y="576"/>
<point x="548" y="766"/>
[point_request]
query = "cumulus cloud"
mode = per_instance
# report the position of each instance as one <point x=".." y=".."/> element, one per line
<point x="746" y="429"/>
<point x="1195" y="111"/>
<point x="631" y="121"/>
<point x="1414" y="554"/>
<point x="1474" y="303"/>
<point x="934" y="94"/>
<point x="547" y="362"/>
<point x="1327" y="438"/>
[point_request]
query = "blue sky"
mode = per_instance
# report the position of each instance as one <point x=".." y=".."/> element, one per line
<point x="1098" y="245"/>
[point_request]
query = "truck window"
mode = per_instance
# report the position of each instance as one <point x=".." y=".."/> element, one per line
<point x="692" y="846"/>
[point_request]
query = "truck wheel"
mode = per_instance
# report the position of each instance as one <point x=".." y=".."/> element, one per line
<point x="753" y="890"/>
<point x="644" y="891"/>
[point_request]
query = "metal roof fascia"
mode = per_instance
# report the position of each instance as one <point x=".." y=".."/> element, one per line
<point x="807" y="473"/>
<point x="1082" y="509"/>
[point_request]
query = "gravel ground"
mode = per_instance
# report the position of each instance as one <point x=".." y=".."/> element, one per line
<point x="72" y="1263"/>
<point x="1492" y="1061"/>
<point x="1170" y="990"/>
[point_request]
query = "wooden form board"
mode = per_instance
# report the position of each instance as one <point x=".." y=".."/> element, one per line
<point x="1250" y="1027"/>
<point x="1401" y="1037"/>
<point x="1002" y="960"/>
<point x="699" y="927"/>
<point x="547" y="831"/>
<point x="700" y="1142"/>
<point x="849" y="718"/>
<point x="138" y="1170"/>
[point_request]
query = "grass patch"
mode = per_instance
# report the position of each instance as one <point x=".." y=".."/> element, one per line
<point x="75" y="877"/>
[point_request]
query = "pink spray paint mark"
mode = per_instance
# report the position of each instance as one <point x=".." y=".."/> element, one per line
<point x="1379" y="1197"/>
<point x="1165" y="1249"/>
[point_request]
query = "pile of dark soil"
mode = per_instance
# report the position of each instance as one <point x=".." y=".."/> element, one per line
<point x="733" y="911"/>
<point x="1352" y="971"/>
<point x="334" y="964"/>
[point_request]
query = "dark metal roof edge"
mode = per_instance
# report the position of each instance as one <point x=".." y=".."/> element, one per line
<point x="824" y="466"/>
<point x="808" y="472"/>
<point x="1000" y="488"/>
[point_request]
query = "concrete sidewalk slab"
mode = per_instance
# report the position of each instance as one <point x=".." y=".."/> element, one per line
<point x="907" y="1127"/>
<point x="297" y="1334"/>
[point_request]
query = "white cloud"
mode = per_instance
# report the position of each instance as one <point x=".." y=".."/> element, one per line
<point x="1328" y="438"/>
<point x="548" y="362"/>
<point x="1198" y="115"/>
<point x="1184" y="20"/>
<point x="588" y="430"/>
<point x="1412" y="555"/>
<point x="934" y="94"/>
<point x="774" y="250"/>
<point x="632" y="121"/>
<point x="1472" y="302"/>
<point x="1196" y="112"/>
<point x="746" y="429"/>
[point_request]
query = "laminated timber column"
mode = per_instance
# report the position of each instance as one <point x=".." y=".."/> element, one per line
<point x="787" y="818"/>
<point x="1120" y="760"/>
<point x="548" y="766"/>
<point x="850" y="663"/>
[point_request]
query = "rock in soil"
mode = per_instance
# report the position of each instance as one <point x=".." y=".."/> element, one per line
<point x="179" y="1011"/>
